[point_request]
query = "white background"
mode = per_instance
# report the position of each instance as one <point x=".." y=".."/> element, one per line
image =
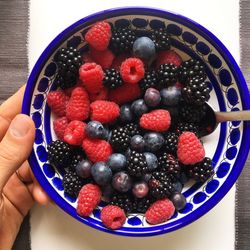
<point x="51" y="228"/>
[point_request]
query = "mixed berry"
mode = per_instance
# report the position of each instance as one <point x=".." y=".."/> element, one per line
<point x="128" y="115"/>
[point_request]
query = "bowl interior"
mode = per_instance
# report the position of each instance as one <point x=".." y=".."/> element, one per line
<point x="227" y="146"/>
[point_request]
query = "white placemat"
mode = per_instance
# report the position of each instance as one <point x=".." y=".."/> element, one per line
<point x="51" y="228"/>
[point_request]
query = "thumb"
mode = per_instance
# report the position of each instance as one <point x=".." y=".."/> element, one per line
<point x="16" y="146"/>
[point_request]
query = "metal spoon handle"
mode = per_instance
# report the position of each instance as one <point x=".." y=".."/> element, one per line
<point x="233" y="116"/>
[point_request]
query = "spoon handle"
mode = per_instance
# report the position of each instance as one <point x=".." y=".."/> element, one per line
<point x="233" y="116"/>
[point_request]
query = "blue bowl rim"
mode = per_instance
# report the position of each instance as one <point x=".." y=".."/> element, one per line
<point x="244" y="148"/>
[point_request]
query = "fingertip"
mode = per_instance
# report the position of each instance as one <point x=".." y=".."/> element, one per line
<point x="40" y="196"/>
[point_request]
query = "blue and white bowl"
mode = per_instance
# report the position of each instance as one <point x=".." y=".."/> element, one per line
<point x="228" y="146"/>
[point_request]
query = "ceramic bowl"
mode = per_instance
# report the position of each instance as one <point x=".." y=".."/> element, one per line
<point x="228" y="146"/>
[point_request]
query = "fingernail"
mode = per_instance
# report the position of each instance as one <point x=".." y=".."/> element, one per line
<point x="20" y="126"/>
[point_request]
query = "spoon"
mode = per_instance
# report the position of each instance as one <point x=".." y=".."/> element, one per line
<point x="212" y="118"/>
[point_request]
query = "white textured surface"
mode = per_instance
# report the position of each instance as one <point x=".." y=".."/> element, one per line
<point x="51" y="228"/>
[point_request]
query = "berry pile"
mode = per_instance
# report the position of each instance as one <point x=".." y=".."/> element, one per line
<point x="128" y="124"/>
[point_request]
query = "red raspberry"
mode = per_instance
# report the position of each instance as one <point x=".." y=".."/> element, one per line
<point x="75" y="133"/>
<point x="68" y="91"/>
<point x="92" y="75"/>
<point x="78" y="105"/>
<point x="160" y="211"/>
<point x="99" y="35"/>
<point x="118" y="61"/>
<point x="104" y="111"/>
<point x="168" y="56"/>
<point x="103" y="58"/>
<point x="57" y="101"/>
<point x="102" y="95"/>
<point x="59" y="126"/>
<point x="89" y="197"/>
<point x="125" y="93"/>
<point x="86" y="58"/>
<point x="190" y="150"/>
<point x="96" y="149"/>
<point x="132" y="70"/>
<point x="113" y="217"/>
<point x="157" y="120"/>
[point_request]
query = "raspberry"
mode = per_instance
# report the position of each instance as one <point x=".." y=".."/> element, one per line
<point x="92" y="75"/>
<point x="104" y="111"/>
<point x="59" y="126"/>
<point x="98" y="36"/>
<point x="103" y="58"/>
<point x="113" y="217"/>
<point x="68" y="91"/>
<point x="102" y="95"/>
<point x="160" y="211"/>
<point x="167" y="57"/>
<point x="132" y="70"/>
<point x="125" y="93"/>
<point x="96" y="149"/>
<point x="157" y="120"/>
<point x="190" y="150"/>
<point x="57" y="101"/>
<point x="78" y="105"/>
<point x="88" y="198"/>
<point x="86" y="58"/>
<point x="75" y="133"/>
<point x="118" y="61"/>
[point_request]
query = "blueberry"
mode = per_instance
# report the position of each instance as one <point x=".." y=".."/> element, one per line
<point x="101" y="173"/>
<point x="122" y="182"/>
<point x="107" y="192"/>
<point x="152" y="97"/>
<point x="95" y="129"/>
<point x="170" y="96"/>
<point x="146" y="177"/>
<point x="152" y="161"/>
<point x="117" y="162"/>
<point x="153" y="141"/>
<point x="140" y="189"/>
<point x="137" y="143"/>
<point x="139" y="107"/>
<point x="179" y="200"/>
<point x="83" y="169"/>
<point x="126" y="114"/>
<point x="177" y="186"/>
<point x="184" y="178"/>
<point x="144" y="48"/>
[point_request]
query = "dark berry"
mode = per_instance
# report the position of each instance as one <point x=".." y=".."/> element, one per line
<point x="149" y="80"/>
<point x="144" y="48"/>
<point x="170" y="96"/>
<point x="161" y="39"/>
<point x="95" y="129"/>
<point x="140" y="189"/>
<point x="171" y="141"/>
<point x="83" y="169"/>
<point x="169" y="165"/>
<point x="177" y="186"/>
<point x="152" y="97"/>
<point x="133" y="129"/>
<point x="123" y="201"/>
<point x="139" y="107"/>
<point x="152" y="161"/>
<point x="120" y="139"/>
<point x="72" y="183"/>
<point x="117" y="162"/>
<point x="112" y="79"/>
<point x="186" y="126"/>
<point x="142" y="205"/>
<point x="122" y="182"/>
<point x="192" y="113"/>
<point x="153" y="141"/>
<point x="137" y="143"/>
<point x="179" y="200"/>
<point x="101" y="173"/>
<point x="107" y="193"/>
<point x="126" y="114"/>
<point x="167" y="75"/>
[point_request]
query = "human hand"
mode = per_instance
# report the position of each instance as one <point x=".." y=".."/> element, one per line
<point x="18" y="187"/>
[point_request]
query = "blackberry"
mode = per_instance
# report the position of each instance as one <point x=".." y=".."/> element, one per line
<point x="160" y="185"/>
<point x="161" y="39"/>
<point x="122" y="40"/>
<point x="187" y="126"/>
<point x="136" y="164"/>
<point x="168" y="164"/>
<point x="142" y="205"/>
<point x="171" y="141"/>
<point x="120" y="139"/>
<point x="112" y="79"/>
<point x="196" y="91"/>
<point x="133" y="129"/>
<point x="201" y="171"/>
<point x="59" y="153"/>
<point x="192" y="113"/>
<point x="68" y="62"/>
<point x="72" y="183"/>
<point x="149" y="80"/>
<point x="189" y="69"/>
<point x="77" y="156"/>
<point x="167" y="75"/>
<point x="124" y="201"/>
